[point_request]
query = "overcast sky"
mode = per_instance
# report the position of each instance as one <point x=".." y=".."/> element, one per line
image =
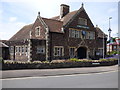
<point x="14" y="14"/>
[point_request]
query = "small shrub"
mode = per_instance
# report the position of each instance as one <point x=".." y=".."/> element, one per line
<point x="57" y="61"/>
<point x="36" y="62"/>
<point x="108" y="60"/>
<point x="45" y="62"/>
<point x="74" y="59"/>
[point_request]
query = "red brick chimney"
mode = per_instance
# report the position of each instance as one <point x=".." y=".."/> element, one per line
<point x="64" y="9"/>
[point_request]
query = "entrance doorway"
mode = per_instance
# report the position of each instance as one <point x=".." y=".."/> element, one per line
<point x="82" y="52"/>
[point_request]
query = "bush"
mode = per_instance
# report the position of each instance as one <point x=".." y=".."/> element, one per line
<point x="1" y="60"/>
<point x="73" y="62"/>
<point x="108" y="60"/>
<point x="74" y="59"/>
<point x="113" y="53"/>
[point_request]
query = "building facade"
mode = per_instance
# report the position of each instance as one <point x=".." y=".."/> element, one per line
<point x="114" y="45"/>
<point x="69" y="35"/>
<point x="4" y="50"/>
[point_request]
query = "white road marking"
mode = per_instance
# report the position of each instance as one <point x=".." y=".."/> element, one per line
<point x="54" y="76"/>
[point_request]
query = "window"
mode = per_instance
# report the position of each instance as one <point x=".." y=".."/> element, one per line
<point x="77" y="34"/>
<point x="22" y="49"/>
<point x="12" y="49"/>
<point x="115" y="47"/>
<point x="58" y="51"/>
<point x="40" y="49"/>
<point x="91" y="35"/>
<point x="82" y="21"/>
<point x="16" y="49"/>
<point x="37" y="31"/>
<point x="87" y="34"/>
<point x="26" y="49"/>
<point x="72" y="52"/>
<point x="19" y="49"/>
<point x="74" y="33"/>
<point x="100" y="51"/>
<point x="62" y="29"/>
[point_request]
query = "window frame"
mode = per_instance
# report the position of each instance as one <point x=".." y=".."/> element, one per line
<point x="37" y="31"/>
<point x="40" y="50"/>
<point x="57" y="51"/>
<point x="73" y="53"/>
<point x="84" y="19"/>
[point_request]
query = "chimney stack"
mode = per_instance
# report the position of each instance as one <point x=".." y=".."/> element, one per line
<point x="64" y="10"/>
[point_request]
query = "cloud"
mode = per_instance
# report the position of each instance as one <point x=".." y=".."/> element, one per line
<point x="9" y="29"/>
<point x="60" y="0"/>
<point x="12" y="19"/>
<point x="27" y="10"/>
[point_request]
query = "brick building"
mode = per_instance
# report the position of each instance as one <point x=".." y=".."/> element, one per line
<point x="69" y="35"/>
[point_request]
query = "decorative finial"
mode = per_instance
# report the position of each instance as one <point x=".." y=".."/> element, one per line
<point x="38" y="13"/>
<point x="96" y="25"/>
<point x="82" y="4"/>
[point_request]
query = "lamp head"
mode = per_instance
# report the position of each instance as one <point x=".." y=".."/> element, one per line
<point x="109" y="30"/>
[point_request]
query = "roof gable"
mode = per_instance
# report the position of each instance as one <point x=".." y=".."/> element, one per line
<point x="76" y="14"/>
<point x="22" y="33"/>
<point x="67" y="19"/>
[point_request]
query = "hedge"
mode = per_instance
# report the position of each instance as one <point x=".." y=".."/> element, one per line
<point x="14" y="65"/>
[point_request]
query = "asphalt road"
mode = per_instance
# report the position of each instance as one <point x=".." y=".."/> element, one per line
<point x="55" y="72"/>
<point x="92" y="80"/>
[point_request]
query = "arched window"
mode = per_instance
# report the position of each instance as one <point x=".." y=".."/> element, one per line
<point x="37" y="31"/>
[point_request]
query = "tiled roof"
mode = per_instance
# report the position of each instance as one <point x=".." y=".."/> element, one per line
<point x="54" y="26"/>
<point x="23" y="33"/>
<point x="66" y="18"/>
<point x="100" y="33"/>
<point x="56" y="18"/>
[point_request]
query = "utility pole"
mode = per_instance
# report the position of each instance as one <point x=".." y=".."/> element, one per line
<point x="104" y="35"/>
<point x="109" y="30"/>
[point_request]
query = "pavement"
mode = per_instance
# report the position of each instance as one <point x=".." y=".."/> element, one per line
<point x="55" y="72"/>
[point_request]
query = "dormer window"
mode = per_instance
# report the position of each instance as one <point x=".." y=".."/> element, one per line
<point x="82" y="21"/>
<point x="37" y="31"/>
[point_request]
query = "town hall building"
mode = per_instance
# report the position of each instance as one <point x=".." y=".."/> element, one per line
<point x="69" y="35"/>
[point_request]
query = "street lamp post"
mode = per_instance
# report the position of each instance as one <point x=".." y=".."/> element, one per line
<point x="109" y="30"/>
